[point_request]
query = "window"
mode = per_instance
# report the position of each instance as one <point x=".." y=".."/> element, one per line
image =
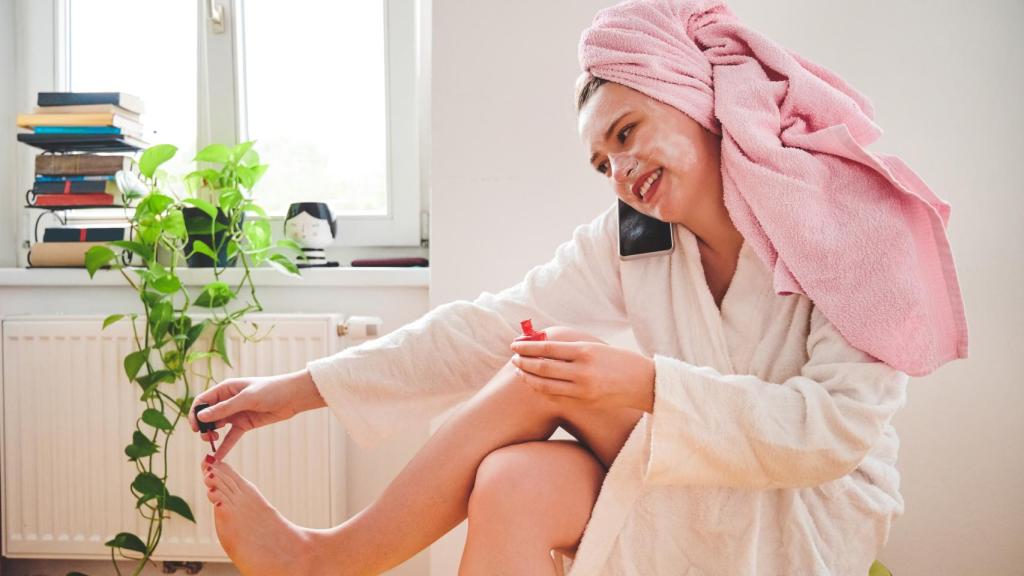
<point x="330" y="90"/>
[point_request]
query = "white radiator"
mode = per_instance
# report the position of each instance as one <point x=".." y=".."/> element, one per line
<point x="69" y="410"/>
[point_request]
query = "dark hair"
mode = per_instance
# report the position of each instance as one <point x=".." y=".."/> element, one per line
<point x="587" y="90"/>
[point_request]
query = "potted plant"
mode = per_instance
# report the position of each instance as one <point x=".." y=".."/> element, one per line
<point x="170" y="332"/>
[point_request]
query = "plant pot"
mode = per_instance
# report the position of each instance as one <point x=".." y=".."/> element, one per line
<point x="198" y="225"/>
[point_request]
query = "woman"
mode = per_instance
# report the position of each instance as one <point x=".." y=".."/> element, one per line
<point x="748" y="437"/>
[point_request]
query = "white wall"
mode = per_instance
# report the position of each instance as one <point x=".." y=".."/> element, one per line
<point x="8" y="94"/>
<point x="510" y="182"/>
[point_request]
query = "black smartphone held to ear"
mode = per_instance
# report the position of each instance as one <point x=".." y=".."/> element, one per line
<point x="641" y="235"/>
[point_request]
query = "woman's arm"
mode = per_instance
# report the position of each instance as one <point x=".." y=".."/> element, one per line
<point x="427" y="366"/>
<point x="740" y="431"/>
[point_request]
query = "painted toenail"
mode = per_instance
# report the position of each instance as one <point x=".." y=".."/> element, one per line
<point x="210" y="475"/>
<point x="210" y="458"/>
<point x="217" y="504"/>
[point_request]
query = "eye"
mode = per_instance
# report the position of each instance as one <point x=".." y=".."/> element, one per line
<point x="602" y="168"/>
<point x="624" y="133"/>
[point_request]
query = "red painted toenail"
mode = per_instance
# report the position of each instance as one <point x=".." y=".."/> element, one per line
<point x="210" y="459"/>
<point x="218" y="504"/>
<point x="213" y="489"/>
<point x="210" y="475"/>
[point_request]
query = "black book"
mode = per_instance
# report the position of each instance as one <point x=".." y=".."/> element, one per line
<point x="126" y="101"/>
<point x="83" y="234"/>
<point x="82" y="142"/>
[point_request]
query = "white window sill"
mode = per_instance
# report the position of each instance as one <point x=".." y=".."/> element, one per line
<point x="334" y="277"/>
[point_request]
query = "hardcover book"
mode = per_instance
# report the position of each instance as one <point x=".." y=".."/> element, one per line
<point x="76" y="187"/>
<point x="80" y="164"/>
<point x="88" y="109"/>
<point x="94" y="234"/>
<point x="82" y="142"/>
<point x="121" y="99"/>
<point x="73" y="200"/>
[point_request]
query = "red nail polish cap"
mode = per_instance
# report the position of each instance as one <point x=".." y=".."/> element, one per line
<point x="529" y="334"/>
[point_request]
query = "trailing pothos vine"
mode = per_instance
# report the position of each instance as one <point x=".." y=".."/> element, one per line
<point x="169" y="332"/>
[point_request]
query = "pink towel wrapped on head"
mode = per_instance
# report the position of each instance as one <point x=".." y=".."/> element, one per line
<point x="857" y="232"/>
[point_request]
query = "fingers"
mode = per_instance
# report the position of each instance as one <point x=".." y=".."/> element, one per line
<point x="549" y="386"/>
<point x="568" y="351"/>
<point x="547" y="368"/>
<point x="234" y="435"/>
<point x="218" y="394"/>
<point x="225" y="409"/>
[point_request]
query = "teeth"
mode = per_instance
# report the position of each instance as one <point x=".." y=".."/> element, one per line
<point x="647" y="183"/>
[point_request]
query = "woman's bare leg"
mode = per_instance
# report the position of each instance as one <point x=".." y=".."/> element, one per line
<point x="430" y="496"/>
<point x="527" y="500"/>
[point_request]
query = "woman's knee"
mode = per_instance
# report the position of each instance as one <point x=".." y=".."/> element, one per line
<point x="548" y="486"/>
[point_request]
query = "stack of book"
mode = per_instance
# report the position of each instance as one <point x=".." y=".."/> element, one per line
<point x="87" y="138"/>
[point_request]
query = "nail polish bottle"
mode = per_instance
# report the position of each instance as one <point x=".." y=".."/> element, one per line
<point x="205" y="427"/>
<point x="529" y="334"/>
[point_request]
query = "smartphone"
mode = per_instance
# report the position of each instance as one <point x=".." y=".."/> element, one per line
<point x="641" y="235"/>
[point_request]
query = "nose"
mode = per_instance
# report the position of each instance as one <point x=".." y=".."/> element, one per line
<point x="623" y="166"/>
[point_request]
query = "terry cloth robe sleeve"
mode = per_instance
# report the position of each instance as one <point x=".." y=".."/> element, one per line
<point x="742" y="432"/>
<point x="431" y="364"/>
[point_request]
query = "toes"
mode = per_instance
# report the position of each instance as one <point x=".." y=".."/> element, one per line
<point x="220" y="477"/>
<point x="216" y="497"/>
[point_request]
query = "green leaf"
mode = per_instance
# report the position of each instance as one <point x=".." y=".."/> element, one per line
<point x="258" y="172"/>
<point x="128" y="541"/>
<point x="111" y="319"/>
<point x="283" y="265"/>
<point x="257" y="232"/>
<point x="878" y="569"/>
<point x="154" y="156"/>
<point x="148" y="483"/>
<point x="206" y="176"/>
<point x="145" y="252"/>
<point x="215" y="295"/>
<point x="193" y="334"/>
<point x="154" y="203"/>
<point x="134" y="361"/>
<point x="98" y="257"/>
<point x="174" y="223"/>
<point x="156" y="419"/>
<point x="218" y="153"/>
<point x="239" y="152"/>
<point x="149" y="382"/>
<point x="175" y="504"/>
<point x="245" y="176"/>
<point x="203" y="205"/>
<point x="220" y="347"/>
<point x="204" y="248"/>
<point x="140" y="447"/>
<point x="228" y="198"/>
<point x="289" y="244"/>
<point x="167" y="284"/>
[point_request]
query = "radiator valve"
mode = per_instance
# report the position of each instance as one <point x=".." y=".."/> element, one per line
<point x="360" y="327"/>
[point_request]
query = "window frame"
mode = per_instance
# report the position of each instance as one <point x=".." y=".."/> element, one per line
<point x="221" y="102"/>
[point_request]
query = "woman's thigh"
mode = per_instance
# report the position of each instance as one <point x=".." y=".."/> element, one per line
<point x="534" y="495"/>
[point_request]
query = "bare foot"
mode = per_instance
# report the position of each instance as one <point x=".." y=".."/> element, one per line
<point x="257" y="538"/>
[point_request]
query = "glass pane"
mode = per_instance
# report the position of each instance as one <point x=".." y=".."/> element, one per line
<point x="315" y="100"/>
<point x="147" y="49"/>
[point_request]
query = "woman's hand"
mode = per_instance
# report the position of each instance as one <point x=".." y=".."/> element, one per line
<point x="249" y="403"/>
<point x="593" y="372"/>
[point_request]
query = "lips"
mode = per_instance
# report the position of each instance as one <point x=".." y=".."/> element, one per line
<point x="643" y="187"/>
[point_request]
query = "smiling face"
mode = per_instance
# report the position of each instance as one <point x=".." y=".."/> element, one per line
<point x="657" y="159"/>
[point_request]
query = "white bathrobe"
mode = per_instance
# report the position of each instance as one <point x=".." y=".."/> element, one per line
<point x="770" y="449"/>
